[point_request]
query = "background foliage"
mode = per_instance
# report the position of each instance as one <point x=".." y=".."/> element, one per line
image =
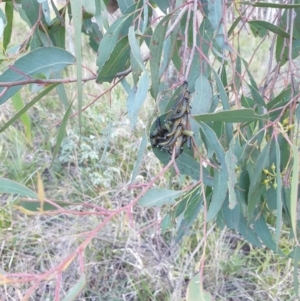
<point x="243" y="169"/>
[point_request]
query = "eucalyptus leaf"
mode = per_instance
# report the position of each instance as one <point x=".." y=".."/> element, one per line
<point x="202" y="98"/>
<point x="220" y="172"/>
<point x="232" y="116"/>
<point x="195" y="291"/>
<point x="137" y="98"/>
<point x="261" y="28"/>
<point x="263" y="232"/>
<point x="255" y="189"/>
<point x="109" y="41"/>
<point x="117" y="62"/>
<point x="231" y="163"/>
<point x="9" y="14"/>
<point x="45" y="60"/>
<point x="140" y="156"/>
<point x="156" y="47"/>
<point x="158" y="197"/>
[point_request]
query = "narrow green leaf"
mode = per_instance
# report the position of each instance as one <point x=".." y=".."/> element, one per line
<point x="76" y="289"/>
<point x="9" y="12"/>
<point x="296" y="258"/>
<point x="166" y="223"/>
<point x="297" y="113"/>
<point x="294" y="190"/>
<point x="27" y="107"/>
<point x="271" y="5"/>
<point x="76" y="6"/>
<point x="189" y="166"/>
<point x="117" y="62"/>
<point x="220" y="174"/>
<point x="61" y="132"/>
<point x="260" y="28"/>
<point x="231" y="116"/>
<point x="234" y="25"/>
<point x="284" y="95"/>
<point x="219" y="193"/>
<point x="247" y="102"/>
<point x="206" y="33"/>
<point x="166" y="53"/>
<point x="158" y="197"/>
<point x="231" y="163"/>
<point x="195" y="291"/>
<point x="61" y="91"/>
<point x="146" y="15"/>
<point x="31" y="10"/>
<point x="18" y="104"/>
<point x="257" y="97"/>
<point x="45" y="11"/>
<point x="57" y="33"/>
<point x="255" y="189"/>
<point x="252" y="80"/>
<point x="137" y="98"/>
<point x="283" y="57"/>
<point x="231" y="216"/>
<point x="11" y="187"/>
<point x="35" y="206"/>
<point x="188" y="198"/>
<point x="258" y="31"/>
<point x="215" y="16"/>
<point x="190" y="215"/>
<point x="226" y="106"/>
<point x="234" y="219"/>
<point x="44" y="60"/>
<point x="135" y="49"/>
<point x="114" y="33"/>
<point x="247" y="232"/>
<point x="238" y="72"/>
<point x="139" y="159"/>
<point x="263" y="232"/>
<point x="136" y="62"/>
<point x="156" y="47"/>
<point x="278" y="194"/>
<point x="169" y="50"/>
<point x="223" y="76"/>
<point x="280" y="50"/>
<point x="194" y="203"/>
<point x="202" y="99"/>
<point x="196" y="68"/>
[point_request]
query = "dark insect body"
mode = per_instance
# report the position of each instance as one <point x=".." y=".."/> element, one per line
<point x="175" y="131"/>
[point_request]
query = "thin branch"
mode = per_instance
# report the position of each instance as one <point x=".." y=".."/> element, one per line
<point x="44" y="81"/>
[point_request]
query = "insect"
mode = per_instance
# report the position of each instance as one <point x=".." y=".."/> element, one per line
<point x="178" y="146"/>
<point x="159" y="133"/>
<point x="159" y="130"/>
<point x="172" y="131"/>
<point x="175" y="131"/>
<point x="184" y="107"/>
<point x="172" y="139"/>
<point x="185" y="83"/>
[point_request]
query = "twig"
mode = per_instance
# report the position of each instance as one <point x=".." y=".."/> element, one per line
<point x="43" y="81"/>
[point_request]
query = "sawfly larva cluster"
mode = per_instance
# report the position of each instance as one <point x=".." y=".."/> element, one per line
<point x="175" y="131"/>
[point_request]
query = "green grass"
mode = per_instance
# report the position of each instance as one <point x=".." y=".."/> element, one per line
<point x="95" y="165"/>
